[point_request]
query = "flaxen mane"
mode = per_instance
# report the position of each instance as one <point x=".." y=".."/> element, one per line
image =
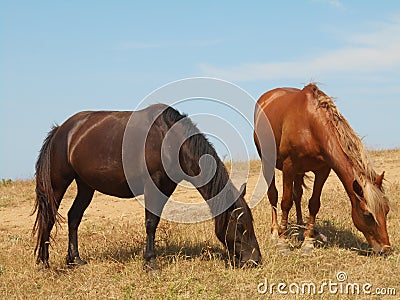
<point x="354" y="149"/>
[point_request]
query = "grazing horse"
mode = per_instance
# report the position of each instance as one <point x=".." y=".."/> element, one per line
<point x="312" y="135"/>
<point x="88" y="148"/>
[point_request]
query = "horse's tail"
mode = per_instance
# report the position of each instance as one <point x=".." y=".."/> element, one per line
<point x="45" y="205"/>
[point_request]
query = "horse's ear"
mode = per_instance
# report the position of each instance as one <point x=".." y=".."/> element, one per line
<point x="242" y="190"/>
<point x="362" y="203"/>
<point x="379" y="179"/>
<point x="358" y="189"/>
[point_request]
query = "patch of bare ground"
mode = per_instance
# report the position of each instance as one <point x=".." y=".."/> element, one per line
<point x="192" y="260"/>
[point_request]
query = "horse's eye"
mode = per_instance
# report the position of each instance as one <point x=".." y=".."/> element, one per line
<point x="369" y="217"/>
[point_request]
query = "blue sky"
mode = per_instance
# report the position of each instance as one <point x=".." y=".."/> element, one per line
<point x="61" y="57"/>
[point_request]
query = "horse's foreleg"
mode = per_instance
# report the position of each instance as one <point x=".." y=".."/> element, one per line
<point x="156" y="194"/>
<point x="149" y="254"/>
<point x="81" y="202"/>
<point x="313" y="206"/>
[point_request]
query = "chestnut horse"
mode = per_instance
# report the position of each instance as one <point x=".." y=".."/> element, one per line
<point x="312" y="135"/>
<point x="88" y="148"/>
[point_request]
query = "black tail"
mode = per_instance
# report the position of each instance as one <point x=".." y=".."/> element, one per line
<point x="45" y="205"/>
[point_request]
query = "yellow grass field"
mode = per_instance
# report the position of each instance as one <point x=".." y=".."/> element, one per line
<point x="192" y="261"/>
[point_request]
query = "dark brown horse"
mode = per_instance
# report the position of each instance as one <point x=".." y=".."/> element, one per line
<point x="88" y="148"/>
<point x="311" y="135"/>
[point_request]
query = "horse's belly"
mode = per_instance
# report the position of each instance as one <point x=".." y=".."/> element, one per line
<point x="108" y="184"/>
<point x="302" y="161"/>
<point x="117" y="190"/>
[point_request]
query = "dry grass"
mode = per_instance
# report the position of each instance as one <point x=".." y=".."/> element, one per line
<point x="192" y="260"/>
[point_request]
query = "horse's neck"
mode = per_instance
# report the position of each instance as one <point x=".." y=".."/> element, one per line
<point x="339" y="162"/>
<point x="215" y="186"/>
<point x="218" y="201"/>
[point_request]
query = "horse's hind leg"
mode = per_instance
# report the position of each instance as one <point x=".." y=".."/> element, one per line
<point x="281" y="244"/>
<point x="58" y="193"/>
<point x="288" y="177"/>
<point x="286" y="205"/>
<point x="81" y="202"/>
<point x="273" y="200"/>
<point x="297" y="194"/>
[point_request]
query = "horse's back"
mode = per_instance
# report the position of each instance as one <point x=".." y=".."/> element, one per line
<point x="278" y="103"/>
<point x="91" y="132"/>
<point x="91" y="144"/>
<point x="278" y="106"/>
<point x="291" y="114"/>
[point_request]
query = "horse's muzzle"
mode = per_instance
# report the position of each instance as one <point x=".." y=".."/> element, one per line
<point x="385" y="251"/>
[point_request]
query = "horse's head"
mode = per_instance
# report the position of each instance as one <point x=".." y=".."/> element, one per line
<point x="369" y="210"/>
<point x="239" y="236"/>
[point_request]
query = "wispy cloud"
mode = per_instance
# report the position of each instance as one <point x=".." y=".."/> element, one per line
<point x="378" y="50"/>
<point x="186" y="44"/>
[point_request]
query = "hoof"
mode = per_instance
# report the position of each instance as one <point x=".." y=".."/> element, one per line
<point x="307" y="247"/>
<point x="282" y="246"/>
<point x="151" y="266"/>
<point x="275" y="236"/>
<point x="75" y="261"/>
<point x="43" y="266"/>
<point x="43" y="263"/>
